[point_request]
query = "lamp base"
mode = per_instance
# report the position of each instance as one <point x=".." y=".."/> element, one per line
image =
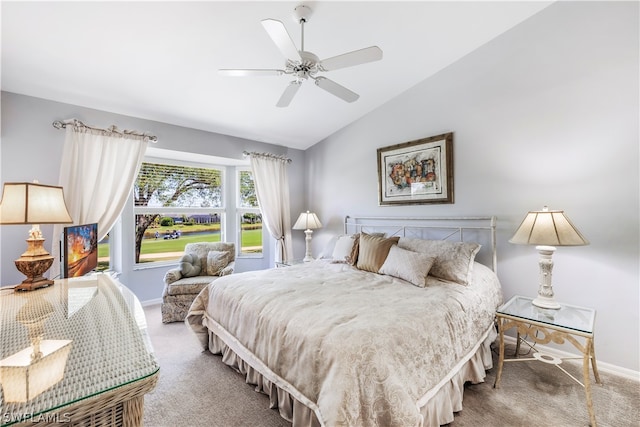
<point x="307" y="240"/>
<point x="26" y="285"/>
<point x="33" y="264"/>
<point x="545" y="290"/>
<point x="546" y="302"/>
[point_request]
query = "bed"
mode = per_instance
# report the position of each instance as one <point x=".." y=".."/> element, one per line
<point x="361" y="337"/>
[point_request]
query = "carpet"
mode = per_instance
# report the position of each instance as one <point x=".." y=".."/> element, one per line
<point x="196" y="389"/>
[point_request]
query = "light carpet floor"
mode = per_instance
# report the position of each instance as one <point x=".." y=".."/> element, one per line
<point x="196" y="389"/>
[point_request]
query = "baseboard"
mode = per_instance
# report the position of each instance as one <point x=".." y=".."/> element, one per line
<point x="151" y="302"/>
<point x="602" y="366"/>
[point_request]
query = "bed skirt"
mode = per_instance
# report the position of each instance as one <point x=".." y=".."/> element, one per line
<point x="437" y="406"/>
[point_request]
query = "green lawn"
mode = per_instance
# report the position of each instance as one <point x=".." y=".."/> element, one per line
<point x="185" y="229"/>
<point x="159" y="245"/>
<point x="172" y="248"/>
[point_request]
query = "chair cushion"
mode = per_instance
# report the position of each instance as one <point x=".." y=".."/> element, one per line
<point x="189" y="285"/>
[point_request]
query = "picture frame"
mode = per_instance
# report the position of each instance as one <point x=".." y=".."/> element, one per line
<point x="416" y="172"/>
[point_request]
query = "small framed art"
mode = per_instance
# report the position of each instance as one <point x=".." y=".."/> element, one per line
<point x="416" y="172"/>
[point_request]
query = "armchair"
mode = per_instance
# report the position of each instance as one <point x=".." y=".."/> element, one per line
<point x="201" y="264"/>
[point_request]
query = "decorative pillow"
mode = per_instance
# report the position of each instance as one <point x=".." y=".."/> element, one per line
<point x="373" y="251"/>
<point x="408" y="265"/>
<point x="216" y="262"/>
<point x="190" y="265"/>
<point x="453" y="260"/>
<point x="327" y="251"/>
<point x="353" y="258"/>
<point x="342" y="250"/>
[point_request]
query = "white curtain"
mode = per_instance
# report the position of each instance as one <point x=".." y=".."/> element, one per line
<point x="272" y="190"/>
<point x="97" y="172"/>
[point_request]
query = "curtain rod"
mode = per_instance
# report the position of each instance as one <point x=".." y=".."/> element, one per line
<point x="79" y="126"/>
<point x="267" y="155"/>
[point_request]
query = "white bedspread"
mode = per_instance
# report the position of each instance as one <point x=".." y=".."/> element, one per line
<point x="358" y="348"/>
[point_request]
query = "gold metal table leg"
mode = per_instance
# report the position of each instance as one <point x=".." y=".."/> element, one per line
<point x="517" y="353"/>
<point x="496" y="384"/>
<point x="587" y="359"/>
<point x="593" y="362"/>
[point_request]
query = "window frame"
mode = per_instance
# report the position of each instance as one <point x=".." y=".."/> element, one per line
<point x="240" y="211"/>
<point x="222" y="211"/>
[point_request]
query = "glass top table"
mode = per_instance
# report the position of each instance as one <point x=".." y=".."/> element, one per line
<point x="569" y="323"/>
<point x="290" y="262"/>
<point x="579" y="319"/>
<point x="74" y="344"/>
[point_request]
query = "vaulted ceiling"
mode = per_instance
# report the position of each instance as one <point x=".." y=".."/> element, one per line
<point x="160" y="60"/>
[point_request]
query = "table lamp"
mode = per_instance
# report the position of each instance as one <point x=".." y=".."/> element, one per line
<point x="34" y="204"/>
<point x="307" y="221"/>
<point x="547" y="229"/>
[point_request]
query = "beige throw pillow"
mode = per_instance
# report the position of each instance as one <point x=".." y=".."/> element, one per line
<point x="216" y="262"/>
<point x="408" y="265"/>
<point x="453" y="260"/>
<point x="373" y="251"/>
<point x="353" y="257"/>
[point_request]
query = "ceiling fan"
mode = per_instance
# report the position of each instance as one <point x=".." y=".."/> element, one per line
<point x="302" y="64"/>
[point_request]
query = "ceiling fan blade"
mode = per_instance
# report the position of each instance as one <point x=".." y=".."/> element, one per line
<point x="281" y="38"/>
<point x="288" y="94"/>
<point x="336" y="89"/>
<point x="356" y="57"/>
<point x="242" y="73"/>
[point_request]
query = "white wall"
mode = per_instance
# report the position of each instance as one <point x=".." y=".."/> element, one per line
<point x="31" y="148"/>
<point x="547" y="113"/>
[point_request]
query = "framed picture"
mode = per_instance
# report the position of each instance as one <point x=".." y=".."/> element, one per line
<point x="416" y="172"/>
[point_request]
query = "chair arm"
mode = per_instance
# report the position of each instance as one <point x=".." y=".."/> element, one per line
<point x="172" y="275"/>
<point x="228" y="269"/>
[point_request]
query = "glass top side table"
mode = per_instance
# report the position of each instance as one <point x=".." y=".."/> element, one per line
<point x="289" y="263"/>
<point x="569" y="323"/>
<point x="570" y="317"/>
<point x="75" y="351"/>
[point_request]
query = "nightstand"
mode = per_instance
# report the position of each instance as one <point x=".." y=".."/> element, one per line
<point x="542" y="326"/>
<point x="280" y="264"/>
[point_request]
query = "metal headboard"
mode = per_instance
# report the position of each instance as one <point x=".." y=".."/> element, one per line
<point x="481" y="229"/>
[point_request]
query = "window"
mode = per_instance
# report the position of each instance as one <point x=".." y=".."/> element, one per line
<point x="175" y="205"/>
<point x="249" y="216"/>
<point x="103" y="254"/>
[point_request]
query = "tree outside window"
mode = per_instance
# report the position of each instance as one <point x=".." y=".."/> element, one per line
<point x="175" y="205"/>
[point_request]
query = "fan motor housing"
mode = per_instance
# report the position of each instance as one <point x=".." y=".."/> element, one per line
<point x="301" y="13"/>
<point x="305" y="68"/>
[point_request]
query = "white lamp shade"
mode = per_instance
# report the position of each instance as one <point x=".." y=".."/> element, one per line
<point x="307" y="221"/>
<point x="548" y="228"/>
<point x="33" y="203"/>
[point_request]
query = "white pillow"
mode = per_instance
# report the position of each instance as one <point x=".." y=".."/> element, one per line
<point x="328" y="247"/>
<point x="408" y="265"/>
<point x="342" y="249"/>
